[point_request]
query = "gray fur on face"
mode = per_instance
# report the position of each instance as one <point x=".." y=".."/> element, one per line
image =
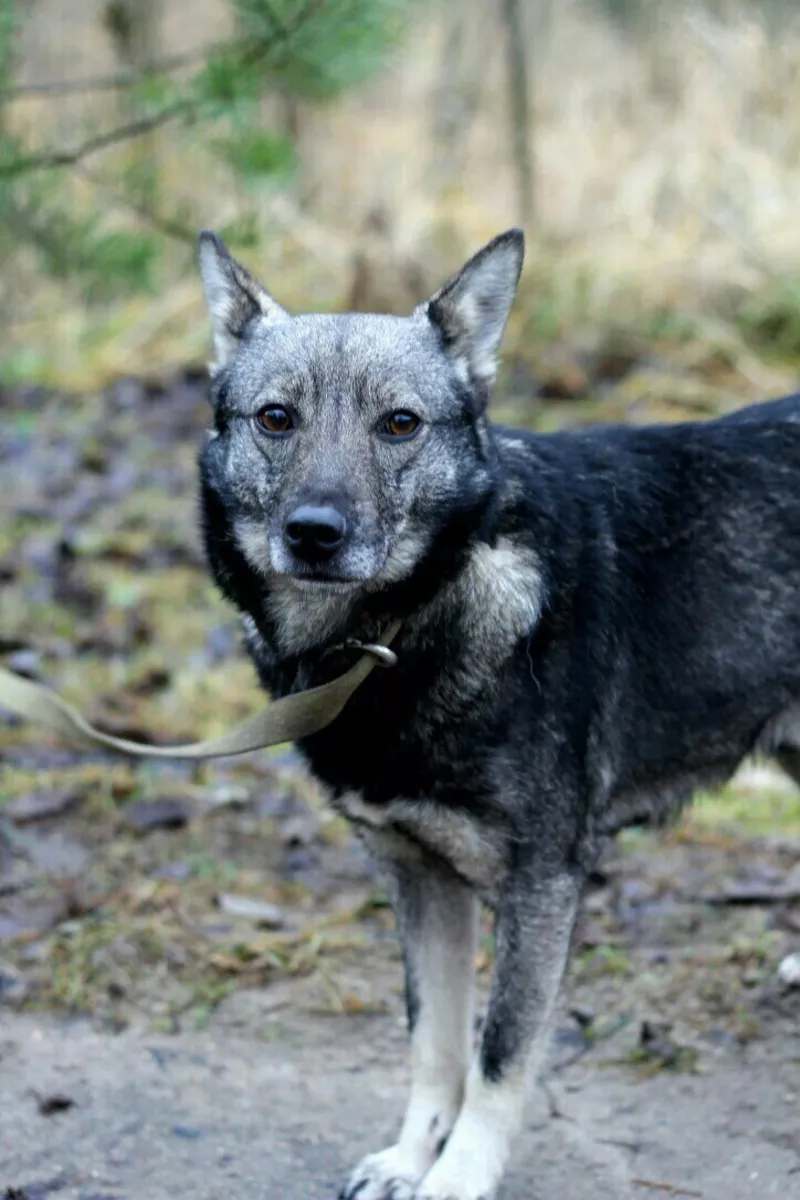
<point x="341" y="377"/>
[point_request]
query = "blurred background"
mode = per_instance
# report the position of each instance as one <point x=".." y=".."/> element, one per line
<point x="353" y="153"/>
<point x="355" y="150"/>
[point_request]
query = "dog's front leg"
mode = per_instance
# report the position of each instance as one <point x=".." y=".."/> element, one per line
<point x="437" y="918"/>
<point x="534" y="922"/>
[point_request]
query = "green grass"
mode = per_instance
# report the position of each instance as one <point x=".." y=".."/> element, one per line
<point x="754" y="811"/>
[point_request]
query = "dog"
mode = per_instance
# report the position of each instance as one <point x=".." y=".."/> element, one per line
<point x="595" y="624"/>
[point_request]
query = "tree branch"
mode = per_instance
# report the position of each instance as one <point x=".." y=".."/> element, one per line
<point x="126" y="79"/>
<point x="124" y="133"/>
<point x="100" y="83"/>
<point x="50" y="159"/>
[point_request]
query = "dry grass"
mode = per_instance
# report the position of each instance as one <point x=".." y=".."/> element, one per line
<point x="667" y="174"/>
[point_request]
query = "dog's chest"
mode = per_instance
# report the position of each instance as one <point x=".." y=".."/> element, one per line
<point x="404" y="830"/>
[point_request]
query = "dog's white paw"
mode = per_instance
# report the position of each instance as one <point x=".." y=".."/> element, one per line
<point x="467" y="1177"/>
<point x="388" y="1175"/>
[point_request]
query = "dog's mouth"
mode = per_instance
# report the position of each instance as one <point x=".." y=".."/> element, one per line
<point x="318" y="582"/>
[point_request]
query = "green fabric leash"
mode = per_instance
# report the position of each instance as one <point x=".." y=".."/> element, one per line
<point x="286" y="720"/>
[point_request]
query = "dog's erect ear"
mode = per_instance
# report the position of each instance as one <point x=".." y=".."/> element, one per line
<point x="473" y="307"/>
<point x="233" y="297"/>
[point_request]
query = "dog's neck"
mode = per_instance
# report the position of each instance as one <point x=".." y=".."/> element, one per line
<point x="305" y="621"/>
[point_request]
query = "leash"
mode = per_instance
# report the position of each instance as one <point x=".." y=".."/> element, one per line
<point x="286" y="720"/>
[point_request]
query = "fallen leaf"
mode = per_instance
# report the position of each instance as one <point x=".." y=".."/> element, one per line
<point x="20" y="920"/>
<point x="36" y="806"/>
<point x="166" y="812"/>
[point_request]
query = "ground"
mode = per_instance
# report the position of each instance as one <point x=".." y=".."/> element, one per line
<point x="205" y="1115"/>
<point x="200" y="991"/>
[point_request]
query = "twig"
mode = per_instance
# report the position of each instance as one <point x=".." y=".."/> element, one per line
<point x="123" y="133"/>
<point x="669" y="1188"/>
<point x="126" y="79"/>
<point x="100" y="83"/>
<point x="250" y="55"/>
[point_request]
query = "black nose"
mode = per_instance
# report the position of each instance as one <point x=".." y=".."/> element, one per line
<point x="315" y="531"/>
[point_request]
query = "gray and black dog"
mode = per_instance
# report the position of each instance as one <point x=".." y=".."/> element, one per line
<point x="595" y="624"/>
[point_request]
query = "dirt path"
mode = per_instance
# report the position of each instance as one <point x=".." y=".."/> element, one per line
<point x="217" y="1114"/>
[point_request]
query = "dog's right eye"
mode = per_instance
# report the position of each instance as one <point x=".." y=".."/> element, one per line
<point x="401" y="424"/>
<point x="275" y="420"/>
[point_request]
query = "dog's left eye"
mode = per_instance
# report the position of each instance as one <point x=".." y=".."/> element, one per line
<point x="275" y="420"/>
<point x="401" y="424"/>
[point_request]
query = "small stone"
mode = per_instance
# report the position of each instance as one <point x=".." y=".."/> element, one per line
<point x="229" y="795"/>
<point x="300" y="829"/>
<point x="175" y="870"/>
<point x="252" y="909"/>
<point x="187" y="1131"/>
<point x="789" y="971"/>
<point x="27" y="663"/>
<point x="54" y="1103"/>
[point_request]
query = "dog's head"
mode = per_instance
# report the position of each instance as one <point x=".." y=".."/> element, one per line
<point x="343" y="445"/>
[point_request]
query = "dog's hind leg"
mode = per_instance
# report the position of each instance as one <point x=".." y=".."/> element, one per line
<point x="535" y="919"/>
<point x="437" y="918"/>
